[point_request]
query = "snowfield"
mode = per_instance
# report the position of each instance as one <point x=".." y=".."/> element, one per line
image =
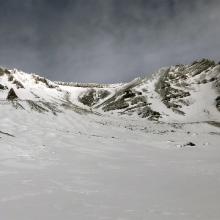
<point x="90" y="167"/>
<point x="61" y="159"/>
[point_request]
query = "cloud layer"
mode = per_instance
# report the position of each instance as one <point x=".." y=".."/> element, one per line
<point x="106" y="41"/>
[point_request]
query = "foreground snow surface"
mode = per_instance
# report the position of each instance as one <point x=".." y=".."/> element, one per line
<point x="89" y="167"/>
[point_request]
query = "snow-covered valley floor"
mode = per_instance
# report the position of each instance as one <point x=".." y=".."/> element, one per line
<point x="89" y="167"/>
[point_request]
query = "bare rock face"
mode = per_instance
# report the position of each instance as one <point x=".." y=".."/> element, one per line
<point x="218" y="103"/>
<point x="1" y="72"/>
<point x="12" y="95"/>
<point x="88" y="98"/>
<point x="92" y="96"/>
<point x="4" y="71"/>
<point x="18" y="84"/>
<point x="2" y="87"/>
<point x="44" y="81"/>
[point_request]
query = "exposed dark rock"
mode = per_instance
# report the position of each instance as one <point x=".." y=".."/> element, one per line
<point x="128" y="94"/>
<point x="214" y="123"/>
<point x="36" y="106"/>
<point x="173" y="86"/>
<point x="3" y="87"/>
<point x="41" y="79"/>
<point x="2" y="72"/>
<point x="10" y="77"/>
<point x="88" y="97"/>
<point x="218" y="102"/>
<point x="178" y="111"/>
<point x="128" y="101"/>
<point x="18" y="84"/>
<point x="191" y="144"/>
<point x="117" y="105"/>
<point x="212" y="79"/>
<point x="147" y="112"/>
<point x="92" y="96"/>
<point x="7" y="72"/>
<point x="218" y="99"/>
<point x="44" y="81"/>
<point x="204" y="81"/>
<point x="184" y="102"/>
<point x="12" y="95"/>
<point x="52" y="107"/>
<point x="138" y="99"/>
<point x="6" y="133"/>
<point x="103" y="93"/>
<point x="17" y="105"/>
<point x="201" y="66"/>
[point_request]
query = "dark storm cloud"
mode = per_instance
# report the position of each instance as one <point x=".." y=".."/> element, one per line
<point x="106" y="40"/>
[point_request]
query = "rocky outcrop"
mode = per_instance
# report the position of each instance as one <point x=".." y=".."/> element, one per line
<point x="129" y="101"/>
<point x="169" y="87"/>
<point x="4" y="71"/>
<point x="18" y="84"/>
<point x="170" y="92"/>
<point x="218" y="103"/>
<point x="39" y="79"/>
<point x="92" y="96"/>
<point x="174" y="85"/>
<point x="12" y="95"/>
<point x="2" y="87"/>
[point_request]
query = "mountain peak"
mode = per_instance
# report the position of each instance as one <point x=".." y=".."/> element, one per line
<point x="180" y="92"/>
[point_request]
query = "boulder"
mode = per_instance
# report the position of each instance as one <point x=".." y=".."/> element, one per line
<point x="12" y="95"/>
<point x="2" y="87"/>
<point x="218" y="103"/>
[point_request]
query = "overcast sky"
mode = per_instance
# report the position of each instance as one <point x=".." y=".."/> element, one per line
<point x="106" y="40"/>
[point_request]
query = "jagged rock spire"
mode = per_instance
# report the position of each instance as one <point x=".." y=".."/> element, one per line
<point x="12" y="95"/>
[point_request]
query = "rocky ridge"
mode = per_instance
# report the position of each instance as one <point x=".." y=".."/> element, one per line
<point x="175" y="92"/>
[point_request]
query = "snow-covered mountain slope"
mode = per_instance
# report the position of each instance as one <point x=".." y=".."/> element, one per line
<point x="181" y="93"/>
<point x="88" y="151"/>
